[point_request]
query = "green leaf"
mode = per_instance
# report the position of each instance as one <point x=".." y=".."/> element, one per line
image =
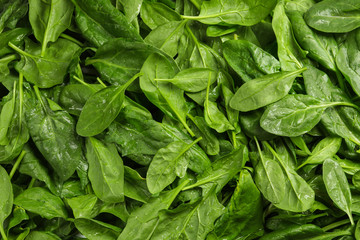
<point x="168" y="162"/>
<point x="290" y="54"/>
<point x="192" y="79"/>
<point x="84" y="206"/>
<point x="49" y="19"/>
<point x="102" y="108"/>
<point x="166" y="37"/>
<point x="337" y="186"/>
<point x="341" y="121"/>
<point x="38" y="235"/>
<point x="238" y="12"/>
<point x="346" y="60"/>
<point x="325" y="149"/>
<point x="321" y="47"/>
<point x="40" y="201"/>
<point x="334" y="16"/>
<point x="106" y="170"/>
<point x="112" y="59"/>
<point x="50" y="69"/>
<point x="167" y="97"/>
<point x="135" y="186"/>
<point x="263" y="91"/>
<point x="294" y="115"/>
<point x="54" y="135"/>
<point x="91" y="228"/>
<point x="243" y="214"/>
<point x="99" y="21"/>
<point x="155" y="14"/>
<point x="6" y="197"/>
<point x="248" y="60"/>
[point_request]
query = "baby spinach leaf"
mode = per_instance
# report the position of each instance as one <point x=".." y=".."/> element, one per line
<point x="249" y="60"/>
<point x="168" y="163"/>
<point x="340" y="121"/>
<point x="144" y="220"/>
<point x="99" y="21"/>
<point x="54" y="135"/>
<point x="106" y="170"/>
<point x="49" y="19"/>
<point x="334" y="16"/>
<point x="165" y="96"/>
<point x="112" y="59"/>
<point x="290" y="54"/>
<point x="337" y="186"/>
<point x="294" y="115"/>
<point x="192" y="79"/>
<point x="6" y="116"/>
<point x="269" y="177"/>
<point x="73" y="97"/>
<point x="250" y="124"/>
<point x="346" y="60"/>
<point x="131" y="8"/>
<point x="39" y="235"/>
<point x="195" y="220"/>
<point x="239" y="12"/>
<point x="300" y="195"/>
<point x="321" y="47"/>
<point x="16" y="36"/>
<point x="155" y="14"/>
<point x="6" y="198"/>
<point x="91" y="228"/>
<point x="50" y="69"/>
<point x="102" y="108"/>
<point x="213" y="116"/>
<point x="325" y="149"/>
<point x="243" y="214"/>
<point x="166" y="37"/>
<point x="84" y="206"/>
<point x="10" y="12"/>
<point x="209" y="141"/>
<point x="135" y="186"/>
<point x="256" y="93"/>
<point x="40" y="201"/>
<point x="222" y="170"/>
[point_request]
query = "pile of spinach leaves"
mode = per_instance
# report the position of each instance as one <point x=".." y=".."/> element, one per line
<point x="179" y="119"/>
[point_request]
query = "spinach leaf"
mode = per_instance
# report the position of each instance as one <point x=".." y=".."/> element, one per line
<point x="53" y="134"/>
<point x="168" y="163"/>
<point x="102" y="108"/>
<point x="256" y="93"/>
<point x="155" y="14"/>
<point x="108" y="183"/>
<point x="290" y="54"/>
<point x="6" y="199"/>
<point x="40" y="201"/>
<point x="49" y="19"/>
<point x="99" y="21"/>
<point x="249" y="60"/>
<point x="321" y="47"/>
<point x="346" y="60"/>
<point x="340" y="121"/>
<point x="325" y="149"/>
<point x="165" y="96"/>
<point x="192" y="79"/>
<point x="50" y="69"/>
<point x="337" y="186"/>
<point x="111" y="59"/>
<point x="91" y="228"/>
<point x="166" y="37"/>
<point x="239" y="219"/>
<point x="334" y="16"/>
<point x="239" y="12"/>
<point x="295" y="115"/>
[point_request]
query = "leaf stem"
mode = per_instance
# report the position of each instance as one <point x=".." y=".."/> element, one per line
<point x="63" y="35"/>
<point x="101" y="82"/>
<point x="17" y="163"/>
<point x="335" y="225"/>
<point x="21" y="98"/>
<point x="3" y="235"/>
<point x="31" y="184"/>
<point x="84" y="83"/>
<point x="38" y="95"/>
